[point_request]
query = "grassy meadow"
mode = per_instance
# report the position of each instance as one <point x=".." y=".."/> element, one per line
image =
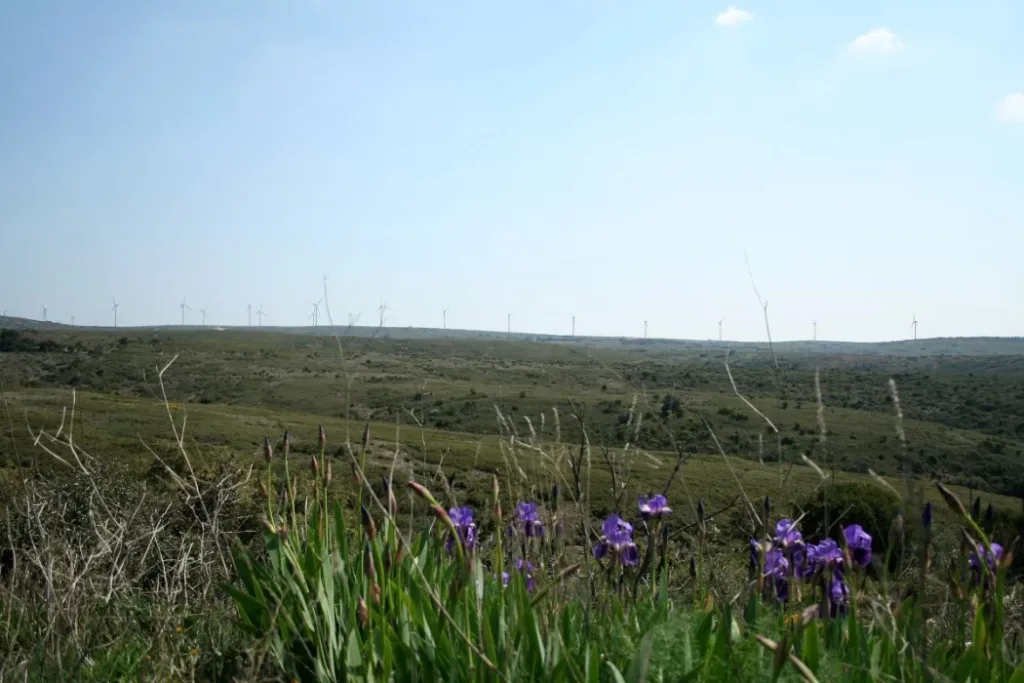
<point x="149" y="535"/>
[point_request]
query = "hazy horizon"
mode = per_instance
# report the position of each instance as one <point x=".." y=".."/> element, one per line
<point x="466" y="333"/>
<point x="616" y="163"/>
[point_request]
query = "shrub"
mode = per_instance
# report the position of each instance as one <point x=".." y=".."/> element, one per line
<point x="870" y="505"/>
<point x="1004" y="528"/>
<point x="14" y="341"/>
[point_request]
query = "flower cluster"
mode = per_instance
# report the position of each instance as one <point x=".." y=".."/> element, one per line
<point x="526" y="568"/>
<point x="527" y="522"/>
<point x="786" y="556"/>
<point x="617" y="534"/>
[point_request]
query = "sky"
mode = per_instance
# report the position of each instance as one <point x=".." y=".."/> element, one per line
<point x="860" y="163"/>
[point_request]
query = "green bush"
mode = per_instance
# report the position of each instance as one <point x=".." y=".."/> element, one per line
<point x="1005" y="528"/>
<point x="870" y="505"/>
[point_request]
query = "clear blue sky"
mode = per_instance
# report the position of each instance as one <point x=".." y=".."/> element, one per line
<point x="609" y="160"/>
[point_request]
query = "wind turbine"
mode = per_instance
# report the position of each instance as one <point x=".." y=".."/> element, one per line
<point x="315" y="315"/>
<point x="44" y="313"/>
<point x="183" y="307"/>
<point x="444" y="319"/>
<point x="203" y="311"/>
<point x="510" y="323"/>
<point x="114" y="309"/>
<point x="72" y="321"/>
<point x="259" y="316"/>
<point x="815" y="327"/>
<point x="382" y="309"/>
<point x="914" y="325"/>
<point x="574" y="326"/>
<point x="720" y="329"/>
<point x="645" y="329"/>
<point x="250" y="315"/>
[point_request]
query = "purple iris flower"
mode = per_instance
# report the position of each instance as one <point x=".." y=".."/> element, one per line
<point x="526" y="568"/>
<point x="617" y="531"/>
<point x="804" y="560"/>
<point x="991" y="558"/>
<point x="776" y="567"/>
<point x="838" y="596"/>
<point x="775" y="563"/>
<point x="617" y="540"/>
<point x="859" y="543"/>
<point x="786" y="533"/>
<point x="465" y="527"/>
<point x="827" y="554"/>
<point x="528" y="516"/>
<point x="461" y="516"/>
<point x="653" y="507"/>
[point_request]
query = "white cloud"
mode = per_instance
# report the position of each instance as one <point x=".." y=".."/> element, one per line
<point x="733" y="16"/>
<point x="875" y="41"/>
<point x="1011" y="108"/>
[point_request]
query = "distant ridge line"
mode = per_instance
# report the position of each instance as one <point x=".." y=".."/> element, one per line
<point x="982" y="345"/>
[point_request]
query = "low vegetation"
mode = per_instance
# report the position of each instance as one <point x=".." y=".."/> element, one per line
<point x="151" y="532"/>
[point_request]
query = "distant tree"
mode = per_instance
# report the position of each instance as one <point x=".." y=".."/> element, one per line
<point x="12" y="341"/>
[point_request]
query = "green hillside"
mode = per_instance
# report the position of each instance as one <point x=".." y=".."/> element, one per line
<point x="964" y="415"/>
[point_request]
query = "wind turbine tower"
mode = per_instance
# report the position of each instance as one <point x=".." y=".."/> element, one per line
<point x="381" y="310"/>
<point x="574" y="326"/>
<point x="914" y="325"/>
<point x="250" y="315"/>
<point x="316" y="311"/>
<point x="510" y="323"/>
<point x="720" y="329"/>
<point x="203" y="312"/>
<point x="44" y="312"/>
<point x="444" y="319"/>
<point x="645" y="329"/>
<point x="114" y="309"/>
<point x="183" y="307"/>
<point x="815" y="328"/>
<point x="259" y="316"/>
